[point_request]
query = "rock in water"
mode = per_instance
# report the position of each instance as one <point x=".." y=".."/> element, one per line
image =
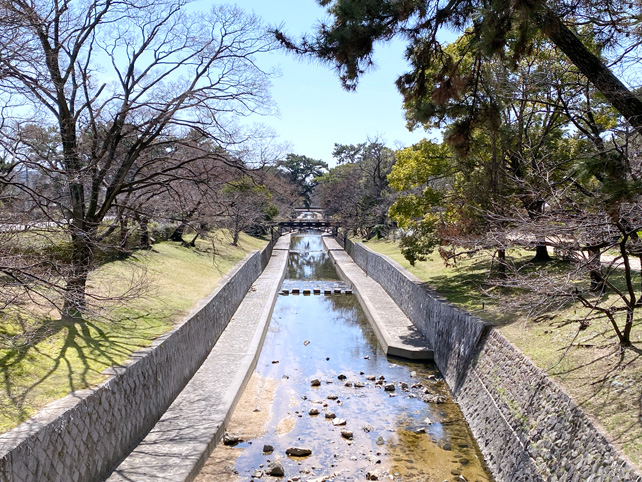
<point x="268" y="449"/>
<point x="298" y="452"/>
<point x="315" y="382"/>
<point x="372" y="475"/>
<point x="347" y="434"/>
<point x="275" y="469"/>
<point x="389" y="388"/>
<point x="231" y="439"/>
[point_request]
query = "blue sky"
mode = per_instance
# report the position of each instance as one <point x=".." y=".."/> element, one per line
<point x="315" y="111"/>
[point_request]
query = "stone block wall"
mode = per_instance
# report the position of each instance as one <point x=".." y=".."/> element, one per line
<point x="527" y="427"/>
<point x="81" y="437"/>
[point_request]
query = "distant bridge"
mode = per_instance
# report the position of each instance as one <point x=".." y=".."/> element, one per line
<point x="307" y="220"/>
<point x="305" y="223"/>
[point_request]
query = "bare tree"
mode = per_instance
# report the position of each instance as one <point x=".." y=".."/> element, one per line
<point x="120" y="82"/>
<point x="245" y="203"/>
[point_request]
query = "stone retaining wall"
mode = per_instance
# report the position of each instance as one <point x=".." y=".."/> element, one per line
<point x="527" y="428"/>
<point x="83" y="436"/>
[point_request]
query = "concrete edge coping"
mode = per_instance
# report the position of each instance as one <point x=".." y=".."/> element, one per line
<point x="350" y="272"/>
<point x="419" y="282"/>
<point x="172" y="450"/>
<point x="143" y="352"/>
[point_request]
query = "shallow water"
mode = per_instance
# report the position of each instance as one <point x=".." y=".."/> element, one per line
<point x="414" y="433"/>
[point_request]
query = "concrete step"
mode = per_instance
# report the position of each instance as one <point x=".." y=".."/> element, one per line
<point x="395" y="332"/>
<point x="315" y="291"/>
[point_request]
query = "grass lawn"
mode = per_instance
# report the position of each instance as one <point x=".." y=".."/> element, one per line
<point x="604" y="380"/>
<point x="42" y="359"/>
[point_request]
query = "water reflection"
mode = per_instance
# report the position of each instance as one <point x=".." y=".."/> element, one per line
<point x="310" y="266"/>
<point x="414" y="433"/>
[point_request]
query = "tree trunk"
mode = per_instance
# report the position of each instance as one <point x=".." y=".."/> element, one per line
<point x="74" y="296"/>
<point x="541" y="254"/>
<point x="625" y="340"/>
<point x="192" y="243"/>
<point x="202" y="228"/>
<point x="636" y="250"/>
<point x="501" y="263"/>
<point x="124" y="234"/>
<point x="237" y="229"/>
<point x="177" y="235"/>
<point x="620" y="97"/>
<point x="595" y="269"/>
<point x="143" y="226"/>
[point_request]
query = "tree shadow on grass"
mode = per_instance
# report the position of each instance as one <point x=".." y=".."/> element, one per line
<point x="467" y="290"/>
<point x="52" y="360"/>
<point x="458" y="286"/>
<point x="604" y="379"/>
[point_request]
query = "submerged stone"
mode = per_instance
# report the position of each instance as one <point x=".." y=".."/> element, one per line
<point x="275" y="469"/>
<point x="298" y="452"/>
<point x="231" y="440"/>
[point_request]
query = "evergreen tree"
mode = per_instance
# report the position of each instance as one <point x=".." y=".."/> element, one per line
<point x="496" y="27"/>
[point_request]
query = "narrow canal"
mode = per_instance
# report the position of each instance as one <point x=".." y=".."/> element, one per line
<point x="370" y="417"/>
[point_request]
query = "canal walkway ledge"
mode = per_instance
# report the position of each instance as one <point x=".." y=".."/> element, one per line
<point x="395" y="332"/>
<point x="182" y="440"/>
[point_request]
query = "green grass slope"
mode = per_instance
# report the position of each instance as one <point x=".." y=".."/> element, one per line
<point x="589" y="364"/>
<point x="140" y="298"/>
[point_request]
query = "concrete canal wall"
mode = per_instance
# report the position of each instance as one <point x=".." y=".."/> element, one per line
<point x="83" y="436"/>
<point x="527" y="428"/>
